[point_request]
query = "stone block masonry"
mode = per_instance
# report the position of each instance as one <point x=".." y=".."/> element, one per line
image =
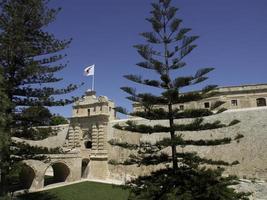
<point x="249" y="151"/>
<point x="86" y="149"/>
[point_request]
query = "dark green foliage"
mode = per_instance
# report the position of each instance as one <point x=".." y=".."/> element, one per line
<point x="35" y="133"/>
<point x="159" y="113"/>
<point x="239" y="136"/>
<point x="121" y="110"/>
<point x="30" y="58"/>
<point x="4" y="133"/>
<point x="58" y="120"/>
<point x="196" y="125"/>
<point x="179" y="141"/>
<point x="35" y="116"/>
<point x="4" y="103"/>
<point x="32" y="152"/>
<point x="184" y="177"/>
<point x="185" y="184"/>
<point x="123" y="145"/>
<point x="34" y="122"/>
<point x="234" y="122"/>
<point x="190" y="158"/>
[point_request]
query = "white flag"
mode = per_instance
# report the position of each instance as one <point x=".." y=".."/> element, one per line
<point x="89" y="71"/>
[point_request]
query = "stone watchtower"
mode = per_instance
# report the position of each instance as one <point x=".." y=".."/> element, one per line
<point x="88" y="133"/>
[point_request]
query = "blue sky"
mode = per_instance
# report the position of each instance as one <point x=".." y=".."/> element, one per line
<point x="232" y="39"/>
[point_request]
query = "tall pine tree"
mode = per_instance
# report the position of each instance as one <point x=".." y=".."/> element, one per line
<point x="29" y="58"/>
<point x="163" y="53"/>
<point x="4" y="133"/>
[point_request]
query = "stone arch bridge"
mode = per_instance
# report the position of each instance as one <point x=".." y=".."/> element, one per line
<point x="62" y="167"/>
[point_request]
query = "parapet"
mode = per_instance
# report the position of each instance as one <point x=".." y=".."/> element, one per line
<point x="91" y="106"/>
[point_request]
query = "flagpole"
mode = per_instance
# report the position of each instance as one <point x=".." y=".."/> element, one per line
<point x="93" y="82"/>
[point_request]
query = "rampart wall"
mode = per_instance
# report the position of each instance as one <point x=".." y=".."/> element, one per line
<point x="51" y="142"/>
<point x="250" y="151"/>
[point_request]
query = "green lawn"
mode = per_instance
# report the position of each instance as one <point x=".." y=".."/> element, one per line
<point x="81" y="191"/>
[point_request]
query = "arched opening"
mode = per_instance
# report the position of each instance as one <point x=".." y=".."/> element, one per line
<point x="261" y="102"/>
<point x="26" y="177"/>
<point x="85" y="168"/>
<point x="88" y="144"/>
<point x="56" y="173"/>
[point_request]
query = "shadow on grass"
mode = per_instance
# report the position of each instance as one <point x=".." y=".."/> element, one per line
<point x="39" y="196"/>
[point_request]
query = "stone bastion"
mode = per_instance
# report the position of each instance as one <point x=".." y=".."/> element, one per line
<point x="86" y="151"/>
<point x="249" y="151"/>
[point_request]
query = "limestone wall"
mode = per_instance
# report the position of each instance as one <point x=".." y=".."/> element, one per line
<point x="70" y="164"/>
<point x="50" y="142"/>
<point x="250" y="151"/>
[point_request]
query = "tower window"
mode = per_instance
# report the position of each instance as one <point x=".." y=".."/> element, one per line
<point x="207" y="105"/>
<point x="109" y="109"/>
<point x="234" y="102"/>
<point x="88" y="144"/>
<point x="261" y="102"/>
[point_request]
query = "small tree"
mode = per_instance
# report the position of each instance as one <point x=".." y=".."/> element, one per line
<point x="166" y="47"/>
<point x="36" y="116"/>
<point x="36" y="121"/>
<point x="58" y="120"/>
<point x="29" y="57"/>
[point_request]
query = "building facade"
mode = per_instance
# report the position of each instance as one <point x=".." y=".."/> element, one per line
<point x="234" y="97"/>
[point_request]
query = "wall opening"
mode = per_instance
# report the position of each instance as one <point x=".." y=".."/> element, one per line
<point x="56" y="173"/>
<point x="26" y="178"/>
<point x="88" y="144"/>
<point x="234" y="102"/>
<point x="85" y="168"/>
<point x="261" y="102"/>
<point x="207" y="105"/>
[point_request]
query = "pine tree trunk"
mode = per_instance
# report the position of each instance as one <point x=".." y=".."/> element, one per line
<point x="3" y="190"/>
<point x="173" y="146"/>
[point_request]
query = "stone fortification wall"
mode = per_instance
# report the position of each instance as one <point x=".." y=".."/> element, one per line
<point x="250" y="151"/>
<point x="51" y="142"/>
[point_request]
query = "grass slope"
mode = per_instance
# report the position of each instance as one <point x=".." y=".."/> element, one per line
<point x="81" y="191"/>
